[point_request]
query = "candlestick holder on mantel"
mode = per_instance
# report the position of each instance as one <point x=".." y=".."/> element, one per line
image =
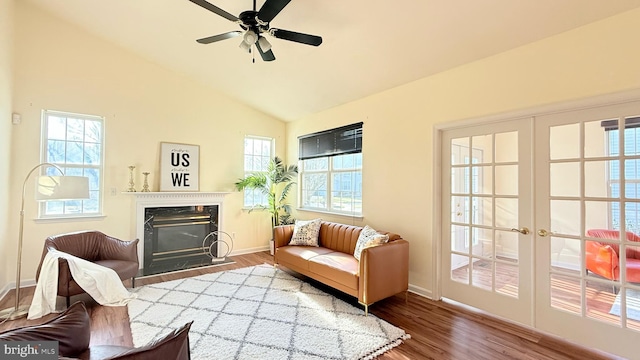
<point x="145" y="186"/>
<point x="131" y="184"/>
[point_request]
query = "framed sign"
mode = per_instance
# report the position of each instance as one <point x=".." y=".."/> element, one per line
<point x="179" y="167"/>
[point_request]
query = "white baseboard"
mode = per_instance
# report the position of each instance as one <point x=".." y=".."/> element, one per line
<point x="249" y="251"/>
<point x="420" y="291"/>
<point x="12" y="285"/>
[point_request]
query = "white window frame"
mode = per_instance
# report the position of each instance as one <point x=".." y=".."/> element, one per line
<point x="329" y="173"/>
<point x="249" y="167"/>
<point x="95" y="171"/>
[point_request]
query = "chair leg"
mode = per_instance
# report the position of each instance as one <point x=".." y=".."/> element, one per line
<point x="68" y="301"/>
<point x="133" y="282"/>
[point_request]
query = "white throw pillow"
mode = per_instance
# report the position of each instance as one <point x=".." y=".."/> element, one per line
<point x="368" y="238"/>
<point x="306" y="232"/>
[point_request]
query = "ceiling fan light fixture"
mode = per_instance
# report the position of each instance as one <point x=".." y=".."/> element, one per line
<point x="250" y="37"/>
<point x="265" y="45"/>
<point x="244" y="46"/>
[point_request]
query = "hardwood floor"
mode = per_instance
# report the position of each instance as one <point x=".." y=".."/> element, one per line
<point x="439" y="330"/>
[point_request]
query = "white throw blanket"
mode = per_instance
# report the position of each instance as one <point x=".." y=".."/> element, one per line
<point x="102" y="283"/>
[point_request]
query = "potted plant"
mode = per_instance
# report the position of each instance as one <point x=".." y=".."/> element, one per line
<point x="275" y="183"/>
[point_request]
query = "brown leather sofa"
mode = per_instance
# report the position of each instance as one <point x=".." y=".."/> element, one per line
<point x="94" y="246"/>
<point x="382" y="271"/>
<point x="72" y="330"/>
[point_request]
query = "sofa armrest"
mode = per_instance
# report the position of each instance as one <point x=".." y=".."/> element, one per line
<point x="282" y="235"/>
<point x="384" y="271"/>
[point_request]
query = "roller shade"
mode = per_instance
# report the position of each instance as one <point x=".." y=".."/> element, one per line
<point x="338" y="141"/>
<point x="629" y="123"/>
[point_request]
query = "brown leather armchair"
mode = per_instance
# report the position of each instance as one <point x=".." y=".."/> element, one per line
<point x="94" y="246"/>
<point x="72" y="330"/>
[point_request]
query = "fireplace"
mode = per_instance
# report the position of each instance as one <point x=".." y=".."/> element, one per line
<point x="172" y="227"/>
<point x="177" y="238"/>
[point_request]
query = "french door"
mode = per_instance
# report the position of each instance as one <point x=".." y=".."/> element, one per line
<point x="487" y="218"/>
<point x="541" y="222"/>
<point x="587" y="226"/>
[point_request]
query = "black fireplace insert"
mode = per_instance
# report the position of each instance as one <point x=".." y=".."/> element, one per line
<point x="177" y="238"/>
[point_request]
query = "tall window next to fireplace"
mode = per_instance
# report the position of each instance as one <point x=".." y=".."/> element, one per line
<point x="176" y="238"/>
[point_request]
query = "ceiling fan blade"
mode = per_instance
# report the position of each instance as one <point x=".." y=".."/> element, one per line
<point x="297" y="37"/>
<point x="215" y="9"/>
<point x="214" y="38"/>
<point x="270" y="9"/>
<point x="266" y="56"/>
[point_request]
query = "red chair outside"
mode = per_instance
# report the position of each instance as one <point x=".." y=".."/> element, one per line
<point x="603" y="257"/>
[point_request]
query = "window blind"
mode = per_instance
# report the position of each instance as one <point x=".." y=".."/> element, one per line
<point x="339" y="141"/>
<point x="629" y="123"/>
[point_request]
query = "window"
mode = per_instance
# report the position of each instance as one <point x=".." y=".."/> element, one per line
<point x="75" y="143"/>
<point x="631" y="172"/>
<point x="257" y="154"/>
<point x="331" y="170"/>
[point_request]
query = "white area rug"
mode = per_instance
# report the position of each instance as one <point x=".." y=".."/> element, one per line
<point x="633" y="304"/>
<point x="259" y="312"/>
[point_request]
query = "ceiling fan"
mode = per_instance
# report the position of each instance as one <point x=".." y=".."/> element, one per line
<point x="254" y="24"/>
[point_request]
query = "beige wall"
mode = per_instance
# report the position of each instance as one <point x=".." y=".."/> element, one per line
<point x="6" y="84"/>
<point x="60" y="67"/>
<point x="398" y="141"/>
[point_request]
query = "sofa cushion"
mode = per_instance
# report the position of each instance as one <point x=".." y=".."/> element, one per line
<point x="71" y="328"/>
<point x="306" y="232"/>
<point x="337" y="266"/>
<point x="299" y="255"/>
<point x="368" y="237"/>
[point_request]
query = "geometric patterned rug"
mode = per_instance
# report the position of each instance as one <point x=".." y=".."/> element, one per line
<point x="259" y="312"/>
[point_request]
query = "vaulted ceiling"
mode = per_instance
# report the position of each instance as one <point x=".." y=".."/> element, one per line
<point x="368" y="46"/>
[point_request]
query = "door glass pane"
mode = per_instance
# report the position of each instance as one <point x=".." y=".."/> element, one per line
<point x="564" y="142"/>
<point x="595" y="178"/>
<point x="460" y="151"/>
<point x="460" y="268"/>
<point x="599" y="256"/>
<point x="482" y="242"/>
<point x="482" y="182"/>
<point x="598" y="299"/>
<point x="507" y="147"/>
<point x="460" y="238"/>
<point x="565" y="179"/>
<point x="631" y="137"/>
<point x="632" y="179"/>
<point x="507" y="246"/>
<point x="566" y="293"/>
<point x="565" y="217"/>
<point x="597" y="215"/>
<point x="482" y="274"/>
<point x="484" y="144"/>
<point x="565" y="254"/>
<point x="460" y="180"/>
<point x="507" y="279"/>
<point x="460" y="209"/>
<point x="482" y="211"/>
<point x="507" y="213"/>
<point x="595" y="138"/>
<point x="632" y="306"/>
<point x="632" y="217"/>
<point x="506" y="180"/>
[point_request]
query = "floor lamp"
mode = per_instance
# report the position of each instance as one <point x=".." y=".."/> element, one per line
<point x="47" y="188"/>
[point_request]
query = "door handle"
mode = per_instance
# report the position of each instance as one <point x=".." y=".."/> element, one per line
<point x="523" y="231"/>
<point x="543" y="232"/>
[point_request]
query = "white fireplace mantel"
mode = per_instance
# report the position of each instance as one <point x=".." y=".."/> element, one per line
<point x="144" y="200"/>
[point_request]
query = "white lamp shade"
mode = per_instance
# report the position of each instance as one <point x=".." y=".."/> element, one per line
<point x="250" y="37"/>
<point x="264" y="44"/>
<point x="244" y="46"/>
<point x="62" y="188"/>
